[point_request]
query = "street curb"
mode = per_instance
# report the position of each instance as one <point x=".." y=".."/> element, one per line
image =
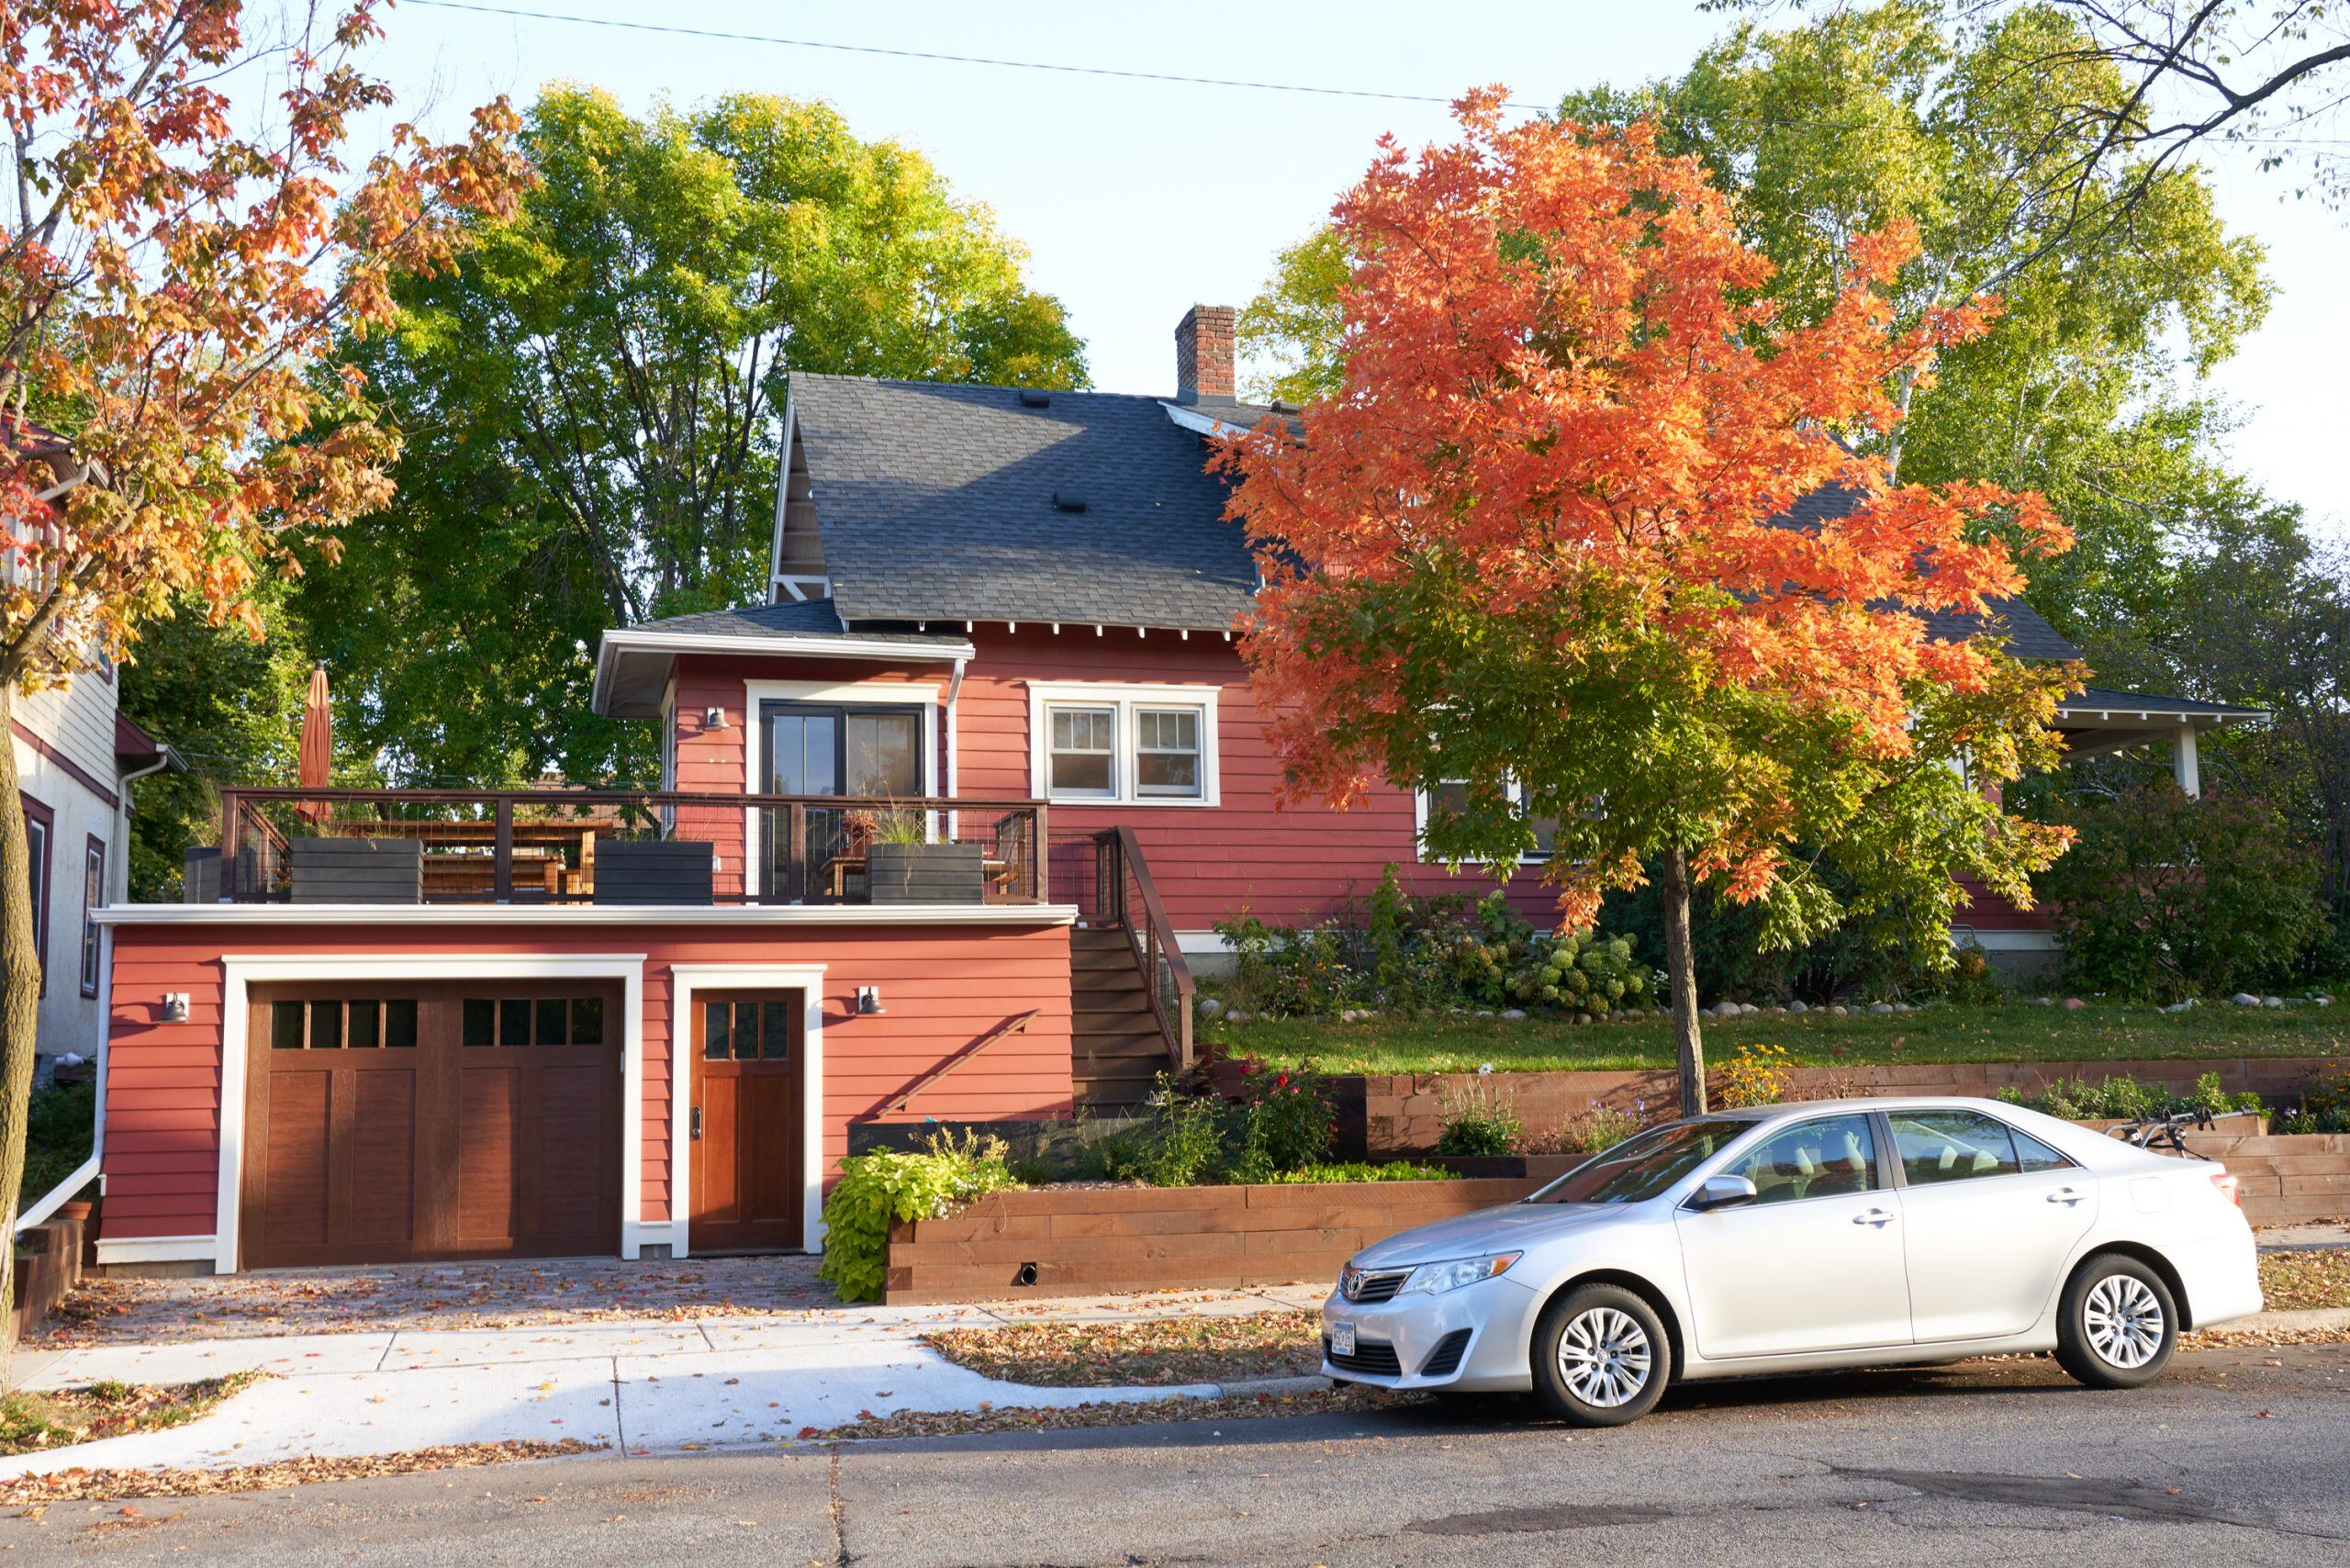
<point x="2309" y="1317"/>
<point x="1268" y="1386"/>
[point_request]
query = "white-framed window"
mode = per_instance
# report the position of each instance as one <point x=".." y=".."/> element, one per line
<point x="1092" y="742"/>
<point x="1452" y="794"/>
<point x="94" y="898"/>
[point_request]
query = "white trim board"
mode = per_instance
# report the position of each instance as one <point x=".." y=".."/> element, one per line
<point x="158" y="1249"/>
<point x="239" y="971"/>
<point x="809" y="980"/>
<point x="443" y="915"/>
<point x="1124" y="697"/>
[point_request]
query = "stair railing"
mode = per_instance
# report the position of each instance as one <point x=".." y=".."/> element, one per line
<point x="1015" y="1025"/>
<point x="1124" y="893"/>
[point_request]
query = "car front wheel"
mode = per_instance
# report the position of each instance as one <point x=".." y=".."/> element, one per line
<point x="1601" y="1357"/>
<point x="2117" y="1324"/>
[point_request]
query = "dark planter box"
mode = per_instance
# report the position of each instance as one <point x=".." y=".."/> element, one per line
<point x="653" y="870"/>
<point x="926" y="873"/>
<point x="357" y="870"/>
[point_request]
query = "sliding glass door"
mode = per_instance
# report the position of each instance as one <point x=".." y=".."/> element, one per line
<point x="815" y="749"/>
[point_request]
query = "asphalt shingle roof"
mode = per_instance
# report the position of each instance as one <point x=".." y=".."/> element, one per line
<point x="937" y="503"/>
<point x="812" y="618"/>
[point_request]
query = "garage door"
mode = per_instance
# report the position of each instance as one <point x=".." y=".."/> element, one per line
<point x="466" y="1120"/>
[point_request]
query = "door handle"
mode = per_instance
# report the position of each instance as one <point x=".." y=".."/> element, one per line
<point x="1879" y="1218"/>
<point x="2066" y="1195"/>
<point x="695" y="1135"/>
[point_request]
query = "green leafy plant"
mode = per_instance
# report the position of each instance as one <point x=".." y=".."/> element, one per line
<point x="1288" y="1121"/>
<point x="1757" y="1075"/>
<point x="1180" y="1145"/>
<point x="2167" y="895"/>
<point x="2122" y="1097"/>
<point x="1363" y="1171"/>
<point x="876" y="1189"/>
<point x="891" y="824"/>
<point x="1479" y="1120"/>
<point x="2325" y="1103"/>
<point x="1598" y="1129"/>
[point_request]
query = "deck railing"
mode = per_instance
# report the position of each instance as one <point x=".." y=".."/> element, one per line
<point x="603" y="846"/>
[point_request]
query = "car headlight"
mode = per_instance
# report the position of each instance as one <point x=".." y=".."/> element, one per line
<point x="1433" y="1279"/>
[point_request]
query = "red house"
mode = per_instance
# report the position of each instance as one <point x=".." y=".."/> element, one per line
<point x="940" y="824"/>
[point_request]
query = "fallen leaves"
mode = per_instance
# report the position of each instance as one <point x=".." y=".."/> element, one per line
<point x="35" y="1422"/>
<point x="2304" y="1279"/>
<point x="78" y="1485"/>
<point x="1149" y="1353"/>
<point x="1353" y="1399"/>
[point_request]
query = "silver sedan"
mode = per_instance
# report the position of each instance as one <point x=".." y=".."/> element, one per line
<point x="1796" y="1238"/>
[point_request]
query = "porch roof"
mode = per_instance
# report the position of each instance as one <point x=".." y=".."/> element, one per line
<point x="2099" y="719"/>
<point x="632" y="663"/>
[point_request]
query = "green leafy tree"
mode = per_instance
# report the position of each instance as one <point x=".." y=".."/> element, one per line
<point x="592" y="409"/>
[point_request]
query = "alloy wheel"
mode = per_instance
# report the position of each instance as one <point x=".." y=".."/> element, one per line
<point x="2125" y="1321"/>
<point x="1604" y="1357"/>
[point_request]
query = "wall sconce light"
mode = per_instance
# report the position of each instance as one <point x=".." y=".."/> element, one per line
<point x="175" y="1007"/>
<point x="713" y="718"/>
<point x="868" y="1000"/>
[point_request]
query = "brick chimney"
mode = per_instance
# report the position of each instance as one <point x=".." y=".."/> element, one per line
<point x="1203" y="354"/>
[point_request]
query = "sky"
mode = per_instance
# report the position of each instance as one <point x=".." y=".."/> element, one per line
<point x="1137" y="198"/>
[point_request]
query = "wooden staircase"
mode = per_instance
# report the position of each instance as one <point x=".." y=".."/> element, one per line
<point x="1116" y="1049"/>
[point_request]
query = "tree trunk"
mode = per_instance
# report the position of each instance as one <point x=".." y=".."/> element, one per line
<point x="19" y="1001"/>
<point x="1688" y="1050"/>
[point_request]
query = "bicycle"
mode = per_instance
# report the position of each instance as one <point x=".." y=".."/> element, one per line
<point x="2160" y="1133"/>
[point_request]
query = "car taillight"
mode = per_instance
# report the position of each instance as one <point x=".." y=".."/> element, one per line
<point x="2226" y="1182"/>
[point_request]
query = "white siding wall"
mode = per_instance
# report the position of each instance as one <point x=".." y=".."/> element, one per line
<point x="78" y="724"/>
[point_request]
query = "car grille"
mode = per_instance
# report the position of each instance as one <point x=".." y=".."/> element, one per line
<point x="1371" y="1356"/>
<point x="1446" y="1359"/>
<point x="1378" y="1285"/>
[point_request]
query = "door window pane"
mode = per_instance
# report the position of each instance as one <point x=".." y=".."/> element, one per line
<point x="552" y="1022"/>
<point x="399" y="1024"/>
<point x="326" y="1025"/>
<point x="717" y="1032"/>
<point x="481" y="1021"/>
<point x="1812" y="1159"/>
<point x="884" y="756"/>
<point x="513" y="1022"/>
<point x="586" y="1020"/>
<point x="1952" y="1146"/>
<point x="774" y="1031"/>
<point x="285" y="1025"/>
<point x="1167" y="751"/>
<point x="365" y="1020"/>
<point x="803" y="753"/>
<point x="1080" y="746"/>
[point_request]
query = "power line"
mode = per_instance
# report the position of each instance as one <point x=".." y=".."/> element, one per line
<point x="949" y="58"/>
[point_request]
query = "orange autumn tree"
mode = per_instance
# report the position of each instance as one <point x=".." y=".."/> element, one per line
<point x="1540" y="545"/>
<point x="175" y="269"/>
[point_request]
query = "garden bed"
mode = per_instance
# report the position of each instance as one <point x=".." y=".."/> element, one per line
<point x="1047" y="1241"/>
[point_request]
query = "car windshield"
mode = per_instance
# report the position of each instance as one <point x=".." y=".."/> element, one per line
<point x="1639" y="1168"/>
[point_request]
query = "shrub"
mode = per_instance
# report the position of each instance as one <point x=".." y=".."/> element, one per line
<point x="2123" y="1097"/>
<point x="1582" y="973"/>
<point x="1756" y="1075"/>
<point x="1479" y="1120"/>
<point x="1598" y="1130"/>
<point x="1363" y="1171"/>
<point x="1181" y="1145"/>
<point x="2325" y="1102"/>
<point x="1288" y="1122"/>
<point x="874" y="1189"/>
<point x="2166" y="895"/>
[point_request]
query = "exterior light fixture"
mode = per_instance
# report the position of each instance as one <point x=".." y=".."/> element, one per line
<point x="713" y="718"/>
<point x="868" y="1000"/>
<point x="175" y="1007"/>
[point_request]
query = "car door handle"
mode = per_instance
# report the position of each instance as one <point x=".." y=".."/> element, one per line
<point x="2066" y="1196"/>
<point x="1879" y="1218"/>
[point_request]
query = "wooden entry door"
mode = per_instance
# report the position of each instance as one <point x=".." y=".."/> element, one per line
<point x="745" y="1121"/>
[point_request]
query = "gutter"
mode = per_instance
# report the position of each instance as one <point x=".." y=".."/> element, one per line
<point x="57" y="1196"/>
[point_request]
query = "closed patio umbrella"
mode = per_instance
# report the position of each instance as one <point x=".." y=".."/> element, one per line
<point x="316" y="759"/>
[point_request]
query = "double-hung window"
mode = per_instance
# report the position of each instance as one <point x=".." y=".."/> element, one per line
<point x="93" y="896"/>
<point x="1131" y="744"/>
<point x="1450" y="797"/>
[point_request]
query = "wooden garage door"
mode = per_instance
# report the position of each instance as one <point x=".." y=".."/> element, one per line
<point x="465" y="1120"/>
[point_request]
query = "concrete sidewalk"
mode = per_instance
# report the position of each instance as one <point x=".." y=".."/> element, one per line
<point x="643" y="1387"/>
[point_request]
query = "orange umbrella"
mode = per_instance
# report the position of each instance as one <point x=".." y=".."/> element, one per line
<point x="317" y="755"/>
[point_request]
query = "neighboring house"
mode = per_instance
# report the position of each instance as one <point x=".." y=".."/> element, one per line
<point x="940" y="821"/>
<point x="76" y="758"/>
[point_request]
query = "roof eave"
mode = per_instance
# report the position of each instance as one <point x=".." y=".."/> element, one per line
<point x="659" y="651"/>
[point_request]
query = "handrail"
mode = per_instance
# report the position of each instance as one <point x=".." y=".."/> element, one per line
<point x="1018" y="1025"/>
<point x="625" y="796"/>
<point x="59" y="1195"/>
<point x="1153" y="943"/>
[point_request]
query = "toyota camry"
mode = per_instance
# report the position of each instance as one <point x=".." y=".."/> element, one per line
<point x="1796" y="1237"/>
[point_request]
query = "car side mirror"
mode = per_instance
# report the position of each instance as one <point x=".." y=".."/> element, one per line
<point x="1722" y="1193"/>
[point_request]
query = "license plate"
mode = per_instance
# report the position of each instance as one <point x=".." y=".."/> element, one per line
<point x="1342" y="1338"/>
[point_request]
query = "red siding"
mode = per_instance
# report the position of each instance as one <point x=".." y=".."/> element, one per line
<point x="941" y="989"/>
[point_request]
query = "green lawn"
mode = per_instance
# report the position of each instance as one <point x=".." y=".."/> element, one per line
<point x="2010" y="1031"/>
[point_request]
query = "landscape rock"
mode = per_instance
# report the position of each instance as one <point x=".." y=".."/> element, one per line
<point x="2244" y="999"/>
<point x="1511" y="1015"/>
<point x="2074" y="1005"/>
<point x="1797" y="1006"/>
<point x="1209" y="1007"/>
<point x="1880" y="1008"/>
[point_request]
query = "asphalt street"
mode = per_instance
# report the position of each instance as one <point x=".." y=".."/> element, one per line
<point x="2238" y="1457"/>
